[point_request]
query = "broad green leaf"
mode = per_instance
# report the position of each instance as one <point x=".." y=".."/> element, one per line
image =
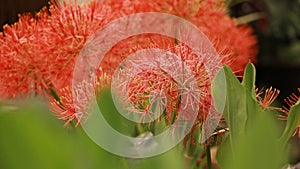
<point x="234" y="112"/>
<point x="219" y="90"/>
<point x="252" y="141"/>
<point x="235" y="104"/>
<point x="258" y="148"/>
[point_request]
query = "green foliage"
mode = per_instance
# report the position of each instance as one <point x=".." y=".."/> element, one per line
<point x="32" y="138"/>
<point x="113" y="117"/>
<point x="292" y="122"/>
<point x="253" y="141"/>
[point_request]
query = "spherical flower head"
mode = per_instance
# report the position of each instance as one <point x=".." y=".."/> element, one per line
<point x="69" y="27"/>
<point x="235" y="43"/>
<point x="24" y="69"/>
<point x="152" y="86"/>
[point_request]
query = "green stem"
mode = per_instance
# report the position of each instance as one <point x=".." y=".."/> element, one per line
<point x="208" y="155"/>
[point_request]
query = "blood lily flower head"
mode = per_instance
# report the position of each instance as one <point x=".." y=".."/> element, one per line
<point x="154" y="85"/>
<point x="69" y="27"/>
<point x="24" y="69"/>
<point x="235" y="43"/>
<point x="38" y="52"/>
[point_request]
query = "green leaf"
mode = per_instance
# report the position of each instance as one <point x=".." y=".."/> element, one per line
<point x="292" y="122"/>
<point x="219" y="90"/>
<point x="253" y="110"/>
<point x="33" y="138"/>
<point x="251" y="102"/>
<point x="249" y="79"/>
<point x="258" y="147"/>
<point x="234" y="112"/>
<point x="235" y="106"/>
<point x="113" y="117"/>
<point x="253" y="138"/>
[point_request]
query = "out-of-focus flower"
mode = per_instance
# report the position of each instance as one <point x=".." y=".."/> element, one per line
<point x="68" y="29"/>
<point x="38" y="52"/>
<point x="235" y="44"/>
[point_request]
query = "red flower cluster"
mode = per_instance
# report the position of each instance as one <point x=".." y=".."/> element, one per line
<point x="38" y="53"/>
<point x="24" y="67"/>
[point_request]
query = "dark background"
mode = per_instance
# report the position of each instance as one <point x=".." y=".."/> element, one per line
<point x="278" y="33"/>
<point x="9" y="9"/>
